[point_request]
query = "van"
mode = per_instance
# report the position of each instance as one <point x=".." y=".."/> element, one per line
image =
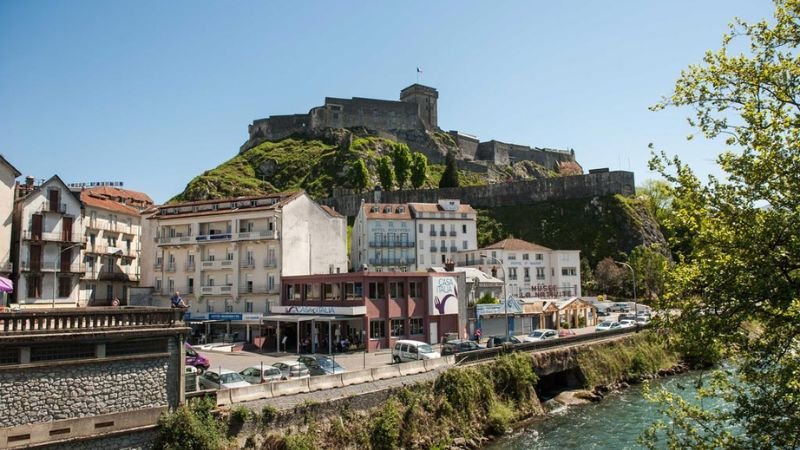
<point x="195" y="359"/>
<point x="406" y="350"/>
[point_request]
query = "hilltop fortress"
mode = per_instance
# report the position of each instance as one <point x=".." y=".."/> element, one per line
<point x="413" y="120"/>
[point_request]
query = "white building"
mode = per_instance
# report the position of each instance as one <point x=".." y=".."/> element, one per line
<point x="48" y="249"/>
<point x="529" y="270"/>
<point x="228" y="256"/>
<point x="8" y="176"/>
<point x="112" y="223"/>
<point x="413" y="236"/>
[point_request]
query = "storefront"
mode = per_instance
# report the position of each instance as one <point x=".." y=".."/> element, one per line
<point x="315" y="329"/>
<point x="492" y="318"/>
<point x="224" y="327"/>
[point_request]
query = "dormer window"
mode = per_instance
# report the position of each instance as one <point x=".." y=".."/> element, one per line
<point x="387" y="209"/>
<point x="400" y="209"/>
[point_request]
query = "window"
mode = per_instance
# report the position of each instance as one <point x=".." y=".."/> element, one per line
<point x="398" y="327"/>
<point x="420" y="228"/>
<point x="415" y="289"/>
<point x="190" y="285"/>
<point x="171" y="284"/>
<point x="525" y="256"/>
<point x="271" y="283"/>
<point x="353" y="291"/>
<point x="377" y="329"/>
<point x="540" y="273"/>
<point x="512" y="273"/>
<point x="464" y="228"/>
<point x="415" y="326"/>
<point x="512" y="256"/>
<point x="34" y="287"/>
<point x="248" y="307"/>
<point x="64" y="286"/>
<point x="397" y="289"/>
<point x="158" y="284"/>
<point x="421" y="244"/>
<point x="527" y="274"/>
<point x="228" y="306"/>
<point x="569" y="271"/>
<point x="539" y="257"/>
<point x="463" y="245"/>
<point x="377" y="291"/>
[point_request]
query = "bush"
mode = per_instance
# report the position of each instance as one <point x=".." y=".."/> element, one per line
<point x="500" y="417"/>
<point x="513" y="377"/>
<point x="465" y="390"/>
<point x="385" y="432"/>
<point x="191" y="426"/>
<point x="268" y="414"/>
<point x="239" y="415"/>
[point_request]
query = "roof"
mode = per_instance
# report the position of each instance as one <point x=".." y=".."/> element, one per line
<point x="13" y="169"/>
<point x="434" y="208"/>
<point x="242" y="204"/>
<point x="331" y="212"/>
<point x="115" y="192"/>
<point x="394" y="211"/>
<point x="472" y="273"/>
<point x="515" y="244"/>
<point x="89" y="199"/>
<point x="54" y="178"/>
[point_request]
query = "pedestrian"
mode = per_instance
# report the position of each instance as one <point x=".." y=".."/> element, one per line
<point x="478" y="335"/>
<point x="115" y="302"/>
<point x="177" y="301"/>
<point x="283" y="342"/>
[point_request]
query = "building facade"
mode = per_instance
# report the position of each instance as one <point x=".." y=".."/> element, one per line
<point x="227" y="257"/>
<point x="112" y="223"/>
<point x="529" y="270"/>
<point x="47" y="246"/>
<point x="370" y="310"/>
<point x="8" y="176"/>
<point x="413" y="236"/>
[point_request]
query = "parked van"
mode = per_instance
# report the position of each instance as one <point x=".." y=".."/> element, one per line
<point x="406" y="350"/>
<point x="195" y="359"/>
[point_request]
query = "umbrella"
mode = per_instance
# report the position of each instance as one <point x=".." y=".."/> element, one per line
<point x="6" y="285"/>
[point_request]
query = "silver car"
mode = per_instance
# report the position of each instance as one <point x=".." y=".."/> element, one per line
<point x="261" y="374"/>
<point x="222" y="379"/>
<point x="292" y="370"/>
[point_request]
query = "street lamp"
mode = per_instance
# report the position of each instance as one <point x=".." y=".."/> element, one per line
<point x="635" y="304"/>
<point x="502" y="291"/>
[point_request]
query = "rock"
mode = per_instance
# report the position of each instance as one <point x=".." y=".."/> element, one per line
<point x="570" y="398"/>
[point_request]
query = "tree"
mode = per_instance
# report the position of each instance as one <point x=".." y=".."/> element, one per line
<point x="359" y="175"/>
<point x="609" y="277"/>
<point x="419" y="169"/>
<point x="401" y="159"/>
<point x="737" y="280"/>
<point x="385" y="173"/>
<point x="487" y="299"/>
<point x="450" y="174"/>
<point x="651" y="265"/>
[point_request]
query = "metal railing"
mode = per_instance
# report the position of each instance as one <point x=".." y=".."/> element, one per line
<point x="247" y="263"/>
<point x="174" y="240"/>
<point x="270" y="263"/>
<point x="256" y="235"/>
<point x="215" y="290"/>
<point x="55" y="236"/>
<point x="46" y="321"/>
<point x="389" y="243"/>
<point x="48" y="206"/>
<point x="200" y="238"/>
<point x="210" y="264"/>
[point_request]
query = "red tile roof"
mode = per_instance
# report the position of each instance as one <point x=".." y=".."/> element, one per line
<point x="515" y="244"/>
<point x="115" y="192"/>
<point x="94" y="201"/>
<point x="381" y="211"/>
<point x="434" y="207"/>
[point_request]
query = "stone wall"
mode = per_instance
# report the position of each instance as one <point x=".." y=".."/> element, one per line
<point x="44" y="394"/>
<point x="506" y="194"/>
<point x="502" y="153"/>
<point x="133" y="440"/>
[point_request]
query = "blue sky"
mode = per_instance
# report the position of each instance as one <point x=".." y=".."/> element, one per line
<point x="153" y="93"/>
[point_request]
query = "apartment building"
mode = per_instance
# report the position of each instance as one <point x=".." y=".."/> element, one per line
<point x="227" y="257"/>
<point x="413" y="236"/>
<point x="112" y="222"/>
<point x="48" y="235"/>
<point x="529" y="270"/>
<point x="8" y="176"/>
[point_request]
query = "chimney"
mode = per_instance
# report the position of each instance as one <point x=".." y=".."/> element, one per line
<point x="29" y="182"/>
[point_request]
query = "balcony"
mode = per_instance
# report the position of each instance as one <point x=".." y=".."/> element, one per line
<point x="157" y="265"/>
<point x="48" y="206"/>
<point x="171" y="267"/>
<point x="442" y="233"/>
<point x="52" y="236"/>
<point x="247" y="264"/>
<point x="188" y="266"/>
<point x="388" y="243"/>
<point x="203" y="238"/>
<point x="434" y="248"/>
<point x="453" y="233"/>
<point x="105" y="249"/>
<point x="252" y="288"/>
<point x="216" y="290"/>
<point x="174" y="240"/>
<point x="270" y="263"/>
<point x="216" y="264"/>
<point x="391" y="261"/>
<point x="443" y="248"/>
<point x="115" y="275"/>
<point x="453" y="249"/>
<point x="51" y="266"/>
<point x="433" y="233"/>
<point x="256" y="235"/>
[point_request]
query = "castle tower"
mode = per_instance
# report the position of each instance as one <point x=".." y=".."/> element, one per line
<point x="425" y="97"/>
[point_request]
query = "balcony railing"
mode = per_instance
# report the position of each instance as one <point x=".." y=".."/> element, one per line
<point x="434" y="248"/>
<point x="48" y="206"/>
<point x="453" y="249"/>
<point x="51" y="236"/>
<point x="45" y="321"/>
<point x="256" y="235"/>
<point x="389" y="243"/>
<point x="174" y="240"/>
<point x="216" y="264"/>
<point x="247" y="263"/>
<point x="453" y="233"/>
<point x="252" y="288"/>
<point x="189" y="266"/>
<point x="433" y="233"/>
<point x="215" y="290"/>
<point x="391" y="261"/>
<point x="270" y="263"/>
<point x="443" y="248"/>
<point x="442" y="233"/>
<point x="51" y="266"/>
<point x="171" y="267"/>
<point x="213" y="237"/>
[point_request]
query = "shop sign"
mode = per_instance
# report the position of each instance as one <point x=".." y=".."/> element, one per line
<point x="321" y="310"/>
<point x="514" y="307"/>
<point x="443" y="296"/>
<point x="225" y="316"/>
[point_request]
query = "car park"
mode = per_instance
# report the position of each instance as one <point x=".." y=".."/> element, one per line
<point x="325" y="364"/>
<point x="608" y="325"/>
<point x="261" y="374"/>
<point x="541" y="335"/>
<point x="459" y="346"/>
<point x="408" y="350"/>
<point x="222" y="379"/>
<point x="292" y="370"/>
<point x="627" y="323"/>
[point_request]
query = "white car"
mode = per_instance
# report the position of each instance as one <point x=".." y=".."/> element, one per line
<point x="222" y="379"/>
<point x="608" y="325"/>
<point x="258" y="374"/>
<point x="292" y="370"/>
<point x="627" y="323"/>
<point x="541" y="335"/>
<point x="408" y="350"/>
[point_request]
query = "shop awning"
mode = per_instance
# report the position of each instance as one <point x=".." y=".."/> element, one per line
<point x="297" y="318"/>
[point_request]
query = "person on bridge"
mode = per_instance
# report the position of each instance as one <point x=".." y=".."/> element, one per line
<point x="177" y="301"/>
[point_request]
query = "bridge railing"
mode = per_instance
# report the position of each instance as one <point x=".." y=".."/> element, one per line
<point x="37" y="321"/>
<point x="491" y="353"/>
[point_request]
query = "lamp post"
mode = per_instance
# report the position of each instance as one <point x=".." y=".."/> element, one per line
<point x="635" y="304"/>
<point x="502" y="291"/>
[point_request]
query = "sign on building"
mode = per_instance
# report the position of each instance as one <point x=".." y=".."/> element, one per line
<point x="443" y="296"/>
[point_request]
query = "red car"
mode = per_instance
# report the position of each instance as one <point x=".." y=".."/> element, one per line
<point x="565" y="332"/>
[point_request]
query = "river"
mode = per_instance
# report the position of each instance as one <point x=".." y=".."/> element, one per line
<point x="613" y="423"/>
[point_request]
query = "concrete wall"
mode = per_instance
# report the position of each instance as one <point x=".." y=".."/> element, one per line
<point x="507" y="194"/>
<point x="313" y="241"/>
<point x="7" y="182"/>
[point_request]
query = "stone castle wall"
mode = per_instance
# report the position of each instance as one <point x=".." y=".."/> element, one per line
<point x="506" y="194"/>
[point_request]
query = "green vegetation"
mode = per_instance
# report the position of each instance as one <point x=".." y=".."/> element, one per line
<point x="419" y="170"/>
<point x="737" y="277"/>
<point x="385" y="173"/>
<point x="401" y="160"/>
<point x="641" y="355"/>
<point x="192" y="426"/>
<point x="449" y="177"/>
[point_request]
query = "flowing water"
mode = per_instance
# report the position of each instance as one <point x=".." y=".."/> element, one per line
<point x="614" y="423"/>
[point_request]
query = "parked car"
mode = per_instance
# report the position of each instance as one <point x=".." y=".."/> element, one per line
<point x="608" y="325"/>
<point x="497" y="341"/>
<point x="259" y="374"/>
<point x="565" y="332"/>
<point x="458" y="346"/>
<point x="292" y="370"/>
<point x="408" y="350"/>
<point x="620" y="307"/>
<point x="325" y="363"/>
<point x="627" y="323"/>
<point x="642" y="321"/>
<point x="625" y="317"/>
<point x="543" y="334"/>
<point x="196" y="360"/>
<point x="603" y="312"/>
<point x="222" y="379"/>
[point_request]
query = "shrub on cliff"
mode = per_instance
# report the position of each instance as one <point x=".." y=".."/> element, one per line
<point x="191" y="426"/>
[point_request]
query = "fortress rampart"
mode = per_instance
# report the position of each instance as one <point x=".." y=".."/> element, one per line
<point x="507" y="194"/>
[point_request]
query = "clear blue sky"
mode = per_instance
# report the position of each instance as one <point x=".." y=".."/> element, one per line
<point x="153" y="93"/>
